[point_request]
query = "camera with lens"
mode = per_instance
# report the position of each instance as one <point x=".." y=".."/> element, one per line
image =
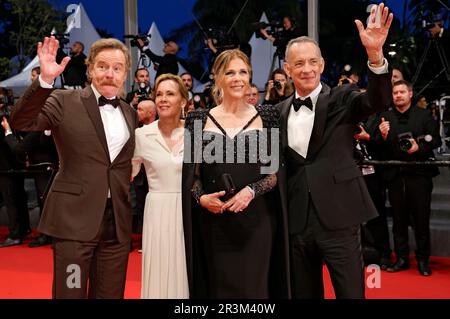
<point x="134" y="39"/>
<point x="360" y="152"/>
<point x="143" y="92"/>
<point x="199" y="101"/>
<point x="429" y="20"/>
<point x="221" y="39"/>
<point x="423" y="139"/>
<point x="275" y="28"/>
<point x="426" y="24"/>
<point x="277" y="85"/>
<point x="63" y="38"/>
<point x="404" y="141"/>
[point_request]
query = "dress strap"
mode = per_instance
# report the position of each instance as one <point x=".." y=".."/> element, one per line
<point x="251" y="121"/>
<point x="223" y="130"/>
<point x="216" y="123"/>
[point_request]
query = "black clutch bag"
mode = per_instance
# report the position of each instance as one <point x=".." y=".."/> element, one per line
<point x="225" y="182"/>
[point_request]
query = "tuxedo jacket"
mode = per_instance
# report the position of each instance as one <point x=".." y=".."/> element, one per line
<point x="76" y="201"/>
<point x="328" y="177"/>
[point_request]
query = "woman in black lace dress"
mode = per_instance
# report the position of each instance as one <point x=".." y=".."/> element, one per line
<point x="236" y="243"/>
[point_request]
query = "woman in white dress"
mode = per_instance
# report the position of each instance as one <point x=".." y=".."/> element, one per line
<point x="159" y="146"/>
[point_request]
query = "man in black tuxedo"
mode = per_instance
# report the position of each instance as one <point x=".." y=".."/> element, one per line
<point x="326" y="195"/>
<point x="75" y="73"/>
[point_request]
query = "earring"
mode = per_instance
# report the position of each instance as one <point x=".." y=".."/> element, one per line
<point x="182" y="112"/>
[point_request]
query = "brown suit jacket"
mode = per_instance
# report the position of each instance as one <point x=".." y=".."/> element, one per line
<point x="76" y="201"/>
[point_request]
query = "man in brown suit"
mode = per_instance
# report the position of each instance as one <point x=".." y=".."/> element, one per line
<point x="88" y="209"/>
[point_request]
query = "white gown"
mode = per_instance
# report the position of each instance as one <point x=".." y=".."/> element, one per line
<point x="164" y="272"/>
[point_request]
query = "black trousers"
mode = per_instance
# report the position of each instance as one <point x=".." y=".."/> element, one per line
<point x="377" y="228"/>
<point x="15" y="199"/>
<point x="339" y="249"/>
<point x="410" y="197"/>
<point x="95" y="269"/>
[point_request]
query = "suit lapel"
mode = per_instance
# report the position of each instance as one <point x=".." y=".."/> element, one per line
<point x="320" y="119"/>
<point x="90" y="103"/>
<point x="128" y="116"/>
<point x="285" y="107"/>
<point x="130" y="121"/>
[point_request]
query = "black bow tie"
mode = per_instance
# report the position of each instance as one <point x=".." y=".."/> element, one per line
<point x="299" y="102"/>
<point x="103" y="101"/>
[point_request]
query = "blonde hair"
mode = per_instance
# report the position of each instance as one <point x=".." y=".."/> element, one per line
<point x="181" y="87"/>
<point x="220" y="65"/>
<point x="105" y="44"/>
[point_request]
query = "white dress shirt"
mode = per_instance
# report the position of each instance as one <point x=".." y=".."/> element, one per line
<point x="300" y="124"/>
<point x="116" y="130"/>
<point x="114" y="124"/>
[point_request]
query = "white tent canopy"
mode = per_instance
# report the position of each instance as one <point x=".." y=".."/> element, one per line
<point x="156" y="46"/>
<point x="79" y="28"/>
<point x="263" y="53"/>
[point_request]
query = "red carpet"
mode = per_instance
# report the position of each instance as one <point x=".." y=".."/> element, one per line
<point x="27" y="273"/>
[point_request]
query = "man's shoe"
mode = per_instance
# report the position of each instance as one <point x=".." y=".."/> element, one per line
<point x="42" y="240"/>
<point x="424" y="268"/>
<point x="11" y="242"/>
<point x="400" y="264"/>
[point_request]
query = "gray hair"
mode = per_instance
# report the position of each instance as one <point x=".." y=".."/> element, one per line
<point x="303" y="39"/>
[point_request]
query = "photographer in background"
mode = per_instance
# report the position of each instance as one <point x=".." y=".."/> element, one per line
<point x="219" y="40"/>
<point x="143" y="90"/>
<point x="35" y="73"/>
<point x="167" y="63"/>
<point x="280" y="39"/>
<point x="39" y="150"/>
<point x="348" y="76"/>
<point x="375" y="232"/>
<point x="74" y="75"/>
<point x="278" y="88"/>
<point x="11" y="185"/>
<point x="409" y="133"/>
<point x="188" y="81"/>
<point x="437" y="31"/>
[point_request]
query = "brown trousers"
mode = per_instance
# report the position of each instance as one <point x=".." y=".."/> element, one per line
<point x="95" y="269"/>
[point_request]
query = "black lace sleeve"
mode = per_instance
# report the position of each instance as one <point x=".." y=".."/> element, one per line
<point x="197" y="187"/>
<point x="264" y="185"/>
<point x="190" y="125"/>
<point x="193" y="117"/>
<point x="270" y="116"/>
